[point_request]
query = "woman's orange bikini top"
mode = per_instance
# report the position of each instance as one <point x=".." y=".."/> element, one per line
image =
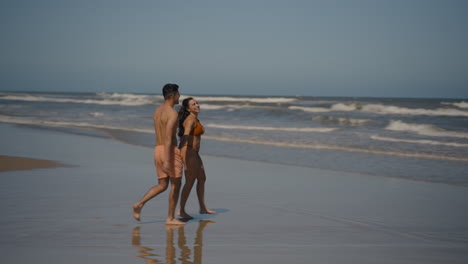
<point x="198" y="129"/>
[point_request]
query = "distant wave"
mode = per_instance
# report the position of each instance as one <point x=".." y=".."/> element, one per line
<point x="126" y="99"/>
<point x="340" y="148"/>
<point x="101" y="99"/>
<point x="290" y="129"/>
<point x="336" y="107"/>
<point x="243" y="99"/>
<point x="461" y="104"/>
<point x="229" y="107"/>
<point x="424" y="129"/>
<point x="96" y="114"/>
<point x="419" y="141"/>
<point x="341" y="120"/>
<point x="382" y="109"/>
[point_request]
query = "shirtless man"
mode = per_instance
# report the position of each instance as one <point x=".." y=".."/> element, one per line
<point x="167" y="157"/>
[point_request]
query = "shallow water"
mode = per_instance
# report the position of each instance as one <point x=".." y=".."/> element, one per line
<point x="420" y="139"/>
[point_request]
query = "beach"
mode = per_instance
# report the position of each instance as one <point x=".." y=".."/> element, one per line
<point x="266" y="212"/>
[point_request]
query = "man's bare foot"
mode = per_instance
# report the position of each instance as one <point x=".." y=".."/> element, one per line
<point x="174" y="221"/>
<point x="185" y="216"/>
<point x="136" y="211"/>
<point x="207" y="211"/>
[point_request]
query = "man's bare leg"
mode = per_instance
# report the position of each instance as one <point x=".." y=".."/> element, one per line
<point x="151" y="193"/>
<point x="173" y="198"/>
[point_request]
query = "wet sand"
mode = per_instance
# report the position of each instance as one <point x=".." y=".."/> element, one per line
<point x="266" y="213"/>
<point x="8" y="163"/>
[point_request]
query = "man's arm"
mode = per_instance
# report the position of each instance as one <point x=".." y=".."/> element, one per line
<point x="170" y="130"/>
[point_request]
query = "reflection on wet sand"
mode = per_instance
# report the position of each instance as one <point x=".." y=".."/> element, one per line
<point x="185" y="253"/>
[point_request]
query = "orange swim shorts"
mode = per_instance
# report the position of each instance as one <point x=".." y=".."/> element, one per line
<point x="158" y="162"/>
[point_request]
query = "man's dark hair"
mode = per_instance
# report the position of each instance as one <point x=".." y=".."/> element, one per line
<point x="169" y="90"/>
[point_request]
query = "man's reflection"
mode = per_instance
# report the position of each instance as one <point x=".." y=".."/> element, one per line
<point x="185" y="254"/>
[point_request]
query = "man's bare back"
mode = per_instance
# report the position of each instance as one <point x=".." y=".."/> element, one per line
<point x="164" y="125"/>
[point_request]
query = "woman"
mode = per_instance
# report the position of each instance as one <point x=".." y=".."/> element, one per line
<point x="190" y="131"/>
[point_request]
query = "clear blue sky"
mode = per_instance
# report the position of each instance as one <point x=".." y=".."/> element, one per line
<point x="394" y="48"/>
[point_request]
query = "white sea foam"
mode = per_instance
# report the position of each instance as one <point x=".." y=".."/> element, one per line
<point x="461" y="104"/>
<point x="419" y="141"/>
<point x="339" y="148"/>
<point x="383" y="109"/>
<point x="263" y="128"/>
<point x="424" y="129"/>
<point x="105" y="99"/>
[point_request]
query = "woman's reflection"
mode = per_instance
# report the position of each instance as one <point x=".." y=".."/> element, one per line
<point x="185" y="254"/>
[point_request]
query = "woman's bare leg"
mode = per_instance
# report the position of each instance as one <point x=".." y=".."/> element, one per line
<point x="189" y="181"/>
<point x="189" y="162"/>
<point x="151" y="193"/>
<point x="201" y="179"/>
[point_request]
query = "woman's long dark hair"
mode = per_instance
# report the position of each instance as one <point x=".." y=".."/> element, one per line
<point x="183" y="113"/>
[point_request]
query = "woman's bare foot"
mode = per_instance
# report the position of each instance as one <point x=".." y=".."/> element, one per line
<point x="174" y="221"/>
<point x="207" y="211"/>
<point x="136" y="211"/>
<point x="185" y="216"/>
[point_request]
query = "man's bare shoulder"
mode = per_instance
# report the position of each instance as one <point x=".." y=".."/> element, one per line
<point x="164" y="112"/>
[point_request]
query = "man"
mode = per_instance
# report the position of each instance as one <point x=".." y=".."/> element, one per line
<point x="167" y="157"/>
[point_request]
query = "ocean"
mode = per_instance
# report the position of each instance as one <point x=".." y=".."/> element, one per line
<point x="415" y="139"/>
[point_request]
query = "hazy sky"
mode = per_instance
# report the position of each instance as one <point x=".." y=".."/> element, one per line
<point x="394" y="48"/>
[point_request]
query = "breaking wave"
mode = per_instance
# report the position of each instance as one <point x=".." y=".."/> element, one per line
<point x="424" y="129"/>
<point x="461" y="104"/>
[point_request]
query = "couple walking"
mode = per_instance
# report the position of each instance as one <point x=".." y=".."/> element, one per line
<point x="169" y="158"/>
